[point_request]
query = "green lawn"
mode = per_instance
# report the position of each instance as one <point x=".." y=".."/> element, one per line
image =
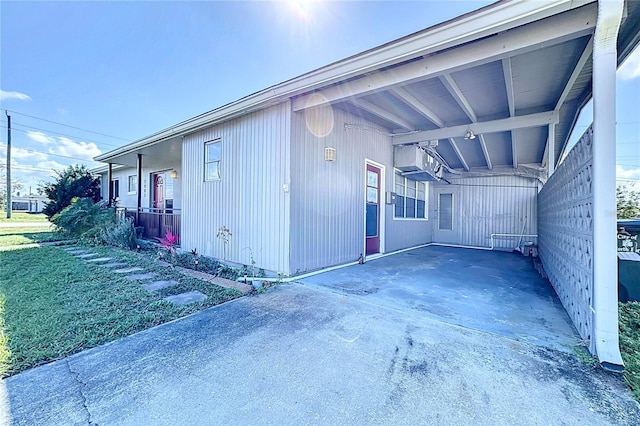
<point x="23" y="217"/>
<point x="27" y="235"/>
<point x="630" y="344"/>
<point x="53" y="305"/>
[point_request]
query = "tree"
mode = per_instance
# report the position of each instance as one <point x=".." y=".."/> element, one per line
<point x="628" y="201"/>
<point x="73" y="182"/>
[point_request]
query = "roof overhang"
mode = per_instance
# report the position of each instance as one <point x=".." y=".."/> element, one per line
<point x="479" y="71"/>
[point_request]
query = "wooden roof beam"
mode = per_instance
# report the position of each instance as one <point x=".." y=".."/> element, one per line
<point x="382" y="113"/>
<point x="494" y="126"/>
<point x="458" y="96"/>
<point x="546" y="32"/>
<point x="414" y="103"/>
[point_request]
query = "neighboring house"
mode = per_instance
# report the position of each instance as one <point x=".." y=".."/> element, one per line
<point x="28" y="203"/>
<point x="451" y="135"/>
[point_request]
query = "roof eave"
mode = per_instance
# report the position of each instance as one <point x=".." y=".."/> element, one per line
<point x="493" y="18"/>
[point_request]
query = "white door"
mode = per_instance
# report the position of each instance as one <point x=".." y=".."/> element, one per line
<point x="446" y="216"/>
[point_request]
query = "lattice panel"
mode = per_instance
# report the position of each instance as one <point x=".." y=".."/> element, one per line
<point x="565" y="233"/>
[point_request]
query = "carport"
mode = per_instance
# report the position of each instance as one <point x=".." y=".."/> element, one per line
<point x="492" y="98"/>
<point x="492" y="291"/>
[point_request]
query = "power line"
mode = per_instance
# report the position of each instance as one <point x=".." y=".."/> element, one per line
<point x="29" y="168"/>
<point x="58" y="133"/>
<point x="67" y="125"/>
<point x="50" y="153"/>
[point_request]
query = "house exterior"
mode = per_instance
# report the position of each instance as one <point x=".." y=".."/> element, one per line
<point x="31" y="203"/>
<point x="452" y="135"/>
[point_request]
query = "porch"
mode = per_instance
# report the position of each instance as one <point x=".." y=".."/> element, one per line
<point x="154" y="223"/>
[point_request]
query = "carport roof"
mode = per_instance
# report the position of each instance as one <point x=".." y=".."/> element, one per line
<point x="508" y="72"/>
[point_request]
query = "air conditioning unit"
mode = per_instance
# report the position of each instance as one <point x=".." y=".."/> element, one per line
<point x="416" y="164"/>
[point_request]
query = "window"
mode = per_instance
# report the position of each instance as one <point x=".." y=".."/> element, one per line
<point x="133" y="184"/>
<point x="212" y="160"/>
<point x="116" y="188"/>
<point x="411" y="198"/>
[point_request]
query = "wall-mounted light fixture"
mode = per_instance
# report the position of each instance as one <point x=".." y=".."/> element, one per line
<point x="173" y="174"/>
<point x="330" y="154"/>
<point x="469" y="134"/>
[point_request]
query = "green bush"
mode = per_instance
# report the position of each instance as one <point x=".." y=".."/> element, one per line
<point x="83" y="217"/>
<point x="630" y="344"/>
<point x="95" y="223"/>
<point x="121" y="234"/>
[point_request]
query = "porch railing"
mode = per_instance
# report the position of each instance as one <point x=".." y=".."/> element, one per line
<point x="156" y="222"/>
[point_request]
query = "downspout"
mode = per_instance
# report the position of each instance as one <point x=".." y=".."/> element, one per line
<point x="605" y="340"/>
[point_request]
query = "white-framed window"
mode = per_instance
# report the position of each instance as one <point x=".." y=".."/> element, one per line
<point x="212" y="157"/>
<point x="411" y="198"/>
<point x="132" y="184"/>
<point x="116" y="188"/>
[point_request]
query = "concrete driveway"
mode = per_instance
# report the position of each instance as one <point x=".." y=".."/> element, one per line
<point x="492" y="291"/>
<point x="307" y="354"/>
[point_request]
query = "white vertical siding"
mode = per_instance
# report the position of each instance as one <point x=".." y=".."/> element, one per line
<point x="486" y="205"/>
<point x="327" y="198"/>
<point x="249" y="199"/>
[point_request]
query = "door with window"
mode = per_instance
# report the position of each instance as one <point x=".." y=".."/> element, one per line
<point x="372" y="209"/>
<point x="446" y="216"/>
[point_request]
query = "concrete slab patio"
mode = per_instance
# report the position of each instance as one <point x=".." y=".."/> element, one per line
<point x="492" y="291"/>
<point x="302" y="354"/>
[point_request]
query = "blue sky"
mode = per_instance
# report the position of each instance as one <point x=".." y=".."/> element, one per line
<point x="129" y="69"/>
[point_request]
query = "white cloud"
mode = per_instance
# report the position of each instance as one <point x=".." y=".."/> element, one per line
<point x="630" y="69"/>
<point x="627" y="173"/>
<point x="70" y="148"/>
<point x="5" y="96"/>
<point x="50" y="164"/>
<point x="26" y="154"/>
<point x="40" y="137"/>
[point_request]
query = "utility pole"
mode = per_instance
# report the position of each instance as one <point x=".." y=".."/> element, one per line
<point x="8" y="164"/>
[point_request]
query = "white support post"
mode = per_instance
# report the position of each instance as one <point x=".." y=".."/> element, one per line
<point x="604" y="341"/>
<point x="551" y="150"/>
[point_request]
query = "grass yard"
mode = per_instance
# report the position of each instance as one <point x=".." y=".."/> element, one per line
<point x="23" y="217"/>
<point x="630" y="344"/>
<point x="53" y="304"/>
<point x="27" y="235"/>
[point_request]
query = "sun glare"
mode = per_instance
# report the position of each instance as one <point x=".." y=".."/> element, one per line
<point x="301" y="7"/>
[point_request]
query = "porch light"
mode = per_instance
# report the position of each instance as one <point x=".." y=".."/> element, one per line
<point x="173" y="174"/>
<point x="330" y="154"/>
<point x="469" y="134"/>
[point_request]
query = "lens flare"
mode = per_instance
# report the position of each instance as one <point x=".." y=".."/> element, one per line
<point x="319" y="118"/>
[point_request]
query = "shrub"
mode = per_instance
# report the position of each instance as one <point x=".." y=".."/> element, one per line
<point x="95" y="223"/>
<point x="82" y="217"/>
<point x="121" y="234"/>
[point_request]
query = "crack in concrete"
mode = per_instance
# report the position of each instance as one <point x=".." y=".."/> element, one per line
<point x="76" y="376"/>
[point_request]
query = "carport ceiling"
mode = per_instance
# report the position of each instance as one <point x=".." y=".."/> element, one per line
<point x="508" y="88"/>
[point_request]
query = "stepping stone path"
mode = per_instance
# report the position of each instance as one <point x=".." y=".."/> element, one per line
<point x="86" y="256"/>
<point x="186" y="298"/>
<point x="140" y="277"/>
<point x="123" y="268"/>
<point x="113" y="265"/>
<point x="128" y="270"/>
<point x="159" y="285"/>
<point x="99" y="259"/>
